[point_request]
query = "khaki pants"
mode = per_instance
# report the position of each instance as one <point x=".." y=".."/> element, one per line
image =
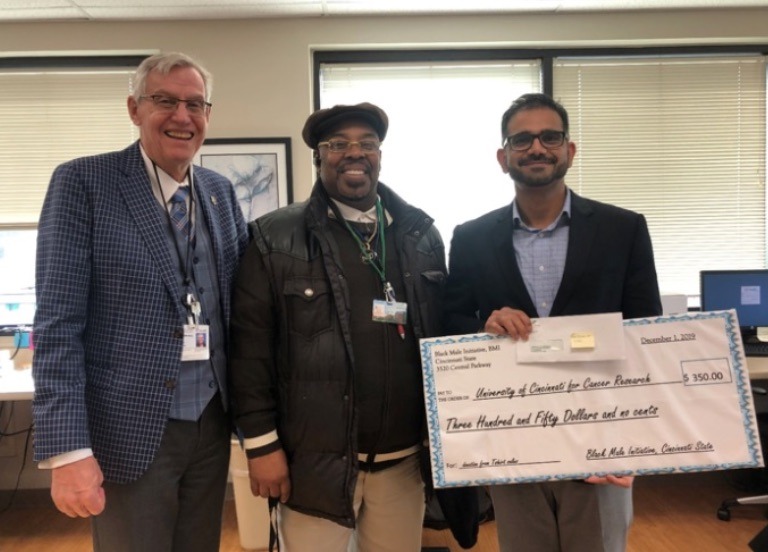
<point x="389" y="509"/>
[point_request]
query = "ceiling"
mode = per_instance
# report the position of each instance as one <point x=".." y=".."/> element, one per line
<point x="135" y="10"/>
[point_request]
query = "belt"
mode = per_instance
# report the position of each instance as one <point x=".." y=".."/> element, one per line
<point x="387" y="456"/>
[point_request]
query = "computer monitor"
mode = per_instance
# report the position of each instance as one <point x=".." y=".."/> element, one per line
<point x="746" y="291"/>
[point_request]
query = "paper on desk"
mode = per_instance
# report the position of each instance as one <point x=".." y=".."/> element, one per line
<point x="589" y="337"/>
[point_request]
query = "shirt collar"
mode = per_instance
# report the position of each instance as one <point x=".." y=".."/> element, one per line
<point x="561" y="220"/>
<point x="167" y="182"/>
<point x="356" y="215"/>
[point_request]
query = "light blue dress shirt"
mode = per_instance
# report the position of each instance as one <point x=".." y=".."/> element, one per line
<point x="540" y="254"/>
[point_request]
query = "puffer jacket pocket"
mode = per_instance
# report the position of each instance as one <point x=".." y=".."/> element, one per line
<point x="309" y="303"/>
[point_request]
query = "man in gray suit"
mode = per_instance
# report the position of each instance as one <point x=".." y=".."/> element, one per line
<point x="550" y="253"/>
<point x="135" y="257"/>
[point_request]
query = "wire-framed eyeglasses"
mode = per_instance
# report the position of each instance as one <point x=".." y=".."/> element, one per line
<point x="522" y="141"/>
<point x="195" y="106"/>
<point x="341" y="146"/>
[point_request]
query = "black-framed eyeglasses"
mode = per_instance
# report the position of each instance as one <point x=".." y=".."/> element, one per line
<point x="195" y="106"/>
<point x="522" y="141"/>
<point x="341" y="146"/>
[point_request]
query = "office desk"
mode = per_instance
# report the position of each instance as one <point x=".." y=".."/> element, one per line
<point x="16" y="384"/>
<point x="15" y="372"/>
<point x="758" y="367"/>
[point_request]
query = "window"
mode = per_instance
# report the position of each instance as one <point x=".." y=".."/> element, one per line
<point x="444" y="128"/>
<point x="53" y="110"/>
<point x="678" y="134"/>
<point x="51" y="116"/>
<point x="680" y="139"/>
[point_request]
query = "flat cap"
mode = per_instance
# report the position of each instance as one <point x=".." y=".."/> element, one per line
<point x="324" y="121"/>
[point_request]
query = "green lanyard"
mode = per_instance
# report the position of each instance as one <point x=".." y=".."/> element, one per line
<point x="370" y="257"/>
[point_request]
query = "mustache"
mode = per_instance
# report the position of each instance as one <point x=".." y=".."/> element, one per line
<point x="354" y="164"/>
<point x="538" y="158"/>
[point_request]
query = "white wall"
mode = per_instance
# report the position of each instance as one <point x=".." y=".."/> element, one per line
<point x="263" y="69"/>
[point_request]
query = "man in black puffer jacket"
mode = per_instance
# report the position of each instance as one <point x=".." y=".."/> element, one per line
<point x="332" y="297"/>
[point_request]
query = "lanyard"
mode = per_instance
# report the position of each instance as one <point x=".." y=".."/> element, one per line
<point x="184" y="262"/>
<point x="369" y="256"/>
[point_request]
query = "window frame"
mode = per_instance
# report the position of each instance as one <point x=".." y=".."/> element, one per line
<point x="547" y="57"/>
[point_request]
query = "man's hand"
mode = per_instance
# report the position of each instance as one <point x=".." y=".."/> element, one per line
<point x="269" y="475"/>
<point x="76" y="488"/>
<point x="618" y="480"/>
<point x="512" y="322"/>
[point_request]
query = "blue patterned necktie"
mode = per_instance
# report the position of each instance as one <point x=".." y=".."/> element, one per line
<point x="179" y="211"/>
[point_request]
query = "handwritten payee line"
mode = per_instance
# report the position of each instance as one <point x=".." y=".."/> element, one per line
<point x="506" y="397"/>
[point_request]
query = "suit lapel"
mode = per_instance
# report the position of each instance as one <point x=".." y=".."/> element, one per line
<point x="504" y="251"/>
<point x="581" y="237"/>
<point x="210" y="204"/>
<point x="143" y="207"/>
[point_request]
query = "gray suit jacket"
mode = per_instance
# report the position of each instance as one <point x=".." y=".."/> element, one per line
<point x="108" y="325"/>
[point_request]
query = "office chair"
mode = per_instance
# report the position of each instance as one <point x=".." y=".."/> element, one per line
<point x="724" y="511"/>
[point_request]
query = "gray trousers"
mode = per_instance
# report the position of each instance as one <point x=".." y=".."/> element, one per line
<point x="176" y="506"/>
<point x="563" y="516"/>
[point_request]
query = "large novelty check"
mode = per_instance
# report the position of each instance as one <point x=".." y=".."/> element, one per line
<point x="678" y="400"/>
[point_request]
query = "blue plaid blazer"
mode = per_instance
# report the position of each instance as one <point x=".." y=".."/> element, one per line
<point x="109" y="313"/>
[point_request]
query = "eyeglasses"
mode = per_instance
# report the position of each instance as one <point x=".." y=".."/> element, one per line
<point x="524" y="140"/>
<point x="169" y="103"/>
<point x="341" y="146"/>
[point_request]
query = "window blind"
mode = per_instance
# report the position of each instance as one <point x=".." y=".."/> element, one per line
<point x="49" y="117"/>
<point x="681" y="140"/>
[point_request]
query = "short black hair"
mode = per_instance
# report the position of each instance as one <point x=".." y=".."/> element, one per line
<point x="533" y="101"/>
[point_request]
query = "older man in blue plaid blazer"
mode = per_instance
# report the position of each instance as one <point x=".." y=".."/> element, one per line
<point x="135" y="433"/>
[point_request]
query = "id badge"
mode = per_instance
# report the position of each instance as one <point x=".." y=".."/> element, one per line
<point x="392" y="312"/>
<point x="196" y="343"/>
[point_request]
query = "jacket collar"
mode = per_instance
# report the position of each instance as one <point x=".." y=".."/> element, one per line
<point x="407" y="218"/>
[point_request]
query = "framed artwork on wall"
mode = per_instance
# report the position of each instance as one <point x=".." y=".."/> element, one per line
<point x="259" y="169"/>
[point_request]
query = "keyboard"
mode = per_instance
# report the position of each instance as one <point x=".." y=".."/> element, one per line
<point x="756" y="349"/>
